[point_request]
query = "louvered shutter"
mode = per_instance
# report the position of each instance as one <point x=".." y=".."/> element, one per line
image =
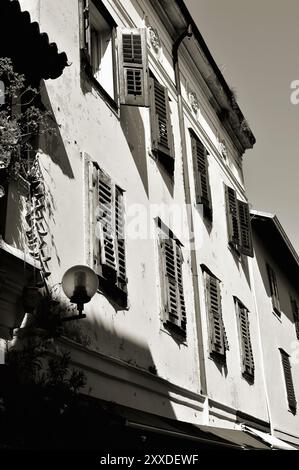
<point x="175" y="311"/>
<point x="288" y="381"/>
<point x="232" y="216"/>
<point x="133" y="67"/>
<point x="295" y="311"/>
<point x="161" y="128"/>
<point x="106" y="219"/>
<point x="245" y="341"/>
<point x="120" y="239"/>
<point x="85" y="33"/>
<point x="201" y="174"/>
<point x="273" y="289"/>
<point x="246" y="246"/>
<point x="218" y="338"/>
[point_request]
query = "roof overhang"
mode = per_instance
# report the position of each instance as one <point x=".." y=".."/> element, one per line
<point x="30" y="49"/>
<point x="270" y="231"/>
<point x="176" y="18"/>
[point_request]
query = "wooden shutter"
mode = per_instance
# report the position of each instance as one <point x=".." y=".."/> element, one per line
<point x="85" y="34"/>
<point x="273" y="289"/>
<point x="161" y="129"/>
<point x="288" y="381"/>
<point x="174" y="302"/>
<point x="218" y="338"/>
<point x="133" y="67"/>
<point x="232" y="216"/>
<point x="120" y="239"/>
<point x="295" y="311"/>
<point x="245" y="340"/>
<point x="107" y="230"/>
<point x="201" y="174"/>
<point x="246" y="246"/>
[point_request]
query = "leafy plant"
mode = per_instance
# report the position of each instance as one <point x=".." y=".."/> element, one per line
<point x="22" y="119"/>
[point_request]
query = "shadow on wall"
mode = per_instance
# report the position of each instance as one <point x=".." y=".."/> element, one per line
<point x="53" y="144"/>
<point x="262" y="255"/>
<point x="133" y="129"/>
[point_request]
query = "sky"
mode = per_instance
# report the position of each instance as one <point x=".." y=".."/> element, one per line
<point x="255" y="43"/>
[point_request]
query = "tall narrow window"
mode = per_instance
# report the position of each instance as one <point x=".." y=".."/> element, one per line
<point x="238" y="223"/>
<point x="109" y="257"/>
<point x="273" y="289"/>
<point x="161" y="128"/>
<point x="97" y="42"/>
<point x="295" y="311"/>
<point x="285" y="358"/>
<point x="133" y="67"/>
<point x="217" y="334"/>
<point x="174" y="310"/>
<point x="201" y="175"/>
<point x="245" y="340"/>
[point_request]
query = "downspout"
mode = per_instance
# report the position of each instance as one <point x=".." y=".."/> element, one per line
<point x="193" y="258"/>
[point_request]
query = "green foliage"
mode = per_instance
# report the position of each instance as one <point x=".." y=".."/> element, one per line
<point x="22" y="119"/>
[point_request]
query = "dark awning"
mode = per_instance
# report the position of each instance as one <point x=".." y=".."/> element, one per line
<point x="29" y="48"/>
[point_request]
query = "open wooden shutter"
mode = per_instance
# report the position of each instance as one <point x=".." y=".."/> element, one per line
<point x="85" y="30"/>
<point x="133" y="67"/>
<point x="295" y="310"/>
<point x="273" y="289"/>
<point x="106" y="219"/>
<point x="285" y="358"/>
<point x="246" y="246"/>
<point x="120" y="239"/>
<point x="161" y="128"/>
<point x="232" y="216"/>
<point x="175" y="311"/>
<point x="218" y="338"/>
<point x="201" y="174"/>
<point x="245" y="341"/>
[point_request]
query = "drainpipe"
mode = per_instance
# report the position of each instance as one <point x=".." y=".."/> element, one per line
<point x="193" y="258"/>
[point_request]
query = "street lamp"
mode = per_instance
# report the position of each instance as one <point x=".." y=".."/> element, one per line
<point x="79" y="284"/>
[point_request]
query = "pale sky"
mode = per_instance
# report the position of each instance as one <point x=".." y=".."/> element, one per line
<point x="256" y="46"/>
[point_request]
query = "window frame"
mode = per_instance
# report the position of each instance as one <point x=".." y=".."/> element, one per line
<point x="289" y="386"/>
<point x="274" y="295"/>
<point x="85" y="52"/>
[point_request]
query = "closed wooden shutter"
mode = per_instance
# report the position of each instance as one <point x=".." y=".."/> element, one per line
<point x="218" y="338"/>
<point x="85" y="30"/>
<point x="120" y="238"/>
<point x="133" y="67"/>
<point x="232" y="217"/>
<point x="295" y="310"/>
<point x="246" y="246"/>
<point x="288" y="381"/>
<point x="161" y="129"/>
<point x="108" y="254"/>
<point x="201" y="175"/>
<point x="245" y="341"/>
<point x="175" y="310"/>
<point x="273" y="289"/>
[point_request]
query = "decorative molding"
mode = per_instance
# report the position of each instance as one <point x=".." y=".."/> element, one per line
<point x="194" y="101"/>
<point x="154" y="40"/>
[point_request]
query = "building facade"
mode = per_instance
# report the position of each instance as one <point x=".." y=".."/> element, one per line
<point x="143" y="183"/>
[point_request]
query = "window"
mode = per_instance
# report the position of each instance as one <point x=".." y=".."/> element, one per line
<point x="295" y="310"/>
<point x="245" y="340"/>
<point x="161" y="128"/>
<point x="171" y="260"/>
<point x="97" y="38"/>
<point x="273" y="289"/>
<point x="285" y="358"/>
<point x="238" y="223"/>
<point x="201" y="175"/>
<point x="217" y="335"/>
<point x="109" y="257"/>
